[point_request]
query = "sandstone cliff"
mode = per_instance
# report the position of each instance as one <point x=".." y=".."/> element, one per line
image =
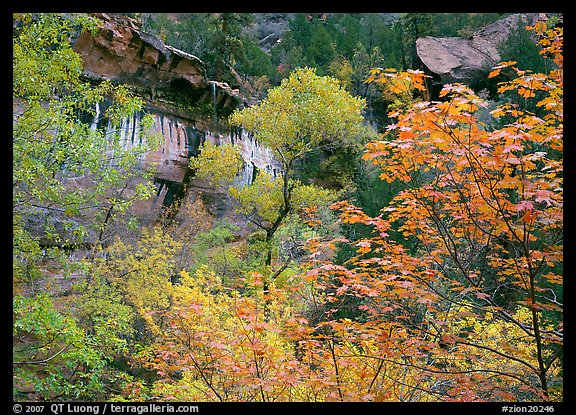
<point x="188" y="109"/>
<point x="122" y="53"/>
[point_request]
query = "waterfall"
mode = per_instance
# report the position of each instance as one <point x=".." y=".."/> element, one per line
<point x="124" y="128"/>
<point x="94" y="124"/>
<point x="214" y="96"/>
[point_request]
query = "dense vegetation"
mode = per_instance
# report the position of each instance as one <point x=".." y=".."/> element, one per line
<point x="345" y="45"/>
<point x="419" y="262"/>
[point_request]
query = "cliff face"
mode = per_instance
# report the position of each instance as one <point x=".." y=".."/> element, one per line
<point x="121" y="52"/>
<point x="186" y="107"/>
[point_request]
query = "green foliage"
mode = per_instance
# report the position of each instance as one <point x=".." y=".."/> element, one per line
<point x="44" y="63"/>
<point x="100" y="308"/>
<point x="383" y="305"/>
<point x="54" y="358"/>
<point x="520" y="46"/>
<point x="187" y="33"/>
<point x="53" y="150"/>
<point x="262" y="198"/>
<point x="69" y="182"/>
<point x="309" y="40"/>
<point x="366" y="40"/>
<point x="27" y="255"/>
<point x="341" y="69"/>
<point x="311" y="196"/>
<point x="461" y="24"/>
<point x="218" y="250"/>
<point x="218" y="236"/>
<point x="350" y="34"/>
<point x="330" y="168"/>
<point x="254" y="62"/>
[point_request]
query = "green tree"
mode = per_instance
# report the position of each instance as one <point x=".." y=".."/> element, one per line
<point x="414" y="26"/>
<point x="64" y="170"/>
<point x="349" y="35"/>
<point x="373" y="32"/>
<point x="69" y="183"/>
<point x="224" y="40"/>
<point x="309" y="42"/>
<point x="300" y="32"/>
<point x="189" y="32"/>
<point x="461" y="24"/>
<point x="54" y="358"/>
<point x="254" y="62"/>
<point x="321" y="48"/>
<point x="362" y="61"/>
<point x="305" y="113"/>
<point x="521" y="46"/>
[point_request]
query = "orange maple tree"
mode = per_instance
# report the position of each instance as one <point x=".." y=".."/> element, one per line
<point x="474" y="300"/>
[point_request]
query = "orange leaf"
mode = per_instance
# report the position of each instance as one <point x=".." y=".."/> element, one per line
<point x="494" y="73"/>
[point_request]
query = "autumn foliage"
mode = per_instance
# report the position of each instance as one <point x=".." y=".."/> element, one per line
<point x="453" y="291"/>
<point x="458" y="290"/>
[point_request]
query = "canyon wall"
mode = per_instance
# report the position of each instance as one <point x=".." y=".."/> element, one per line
<point x="188" y="109"/>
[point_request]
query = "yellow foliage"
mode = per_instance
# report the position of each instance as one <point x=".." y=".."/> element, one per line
<point x="263" y="197"/>
<point x="217" y="163"/>
<point x="142" y="272"/>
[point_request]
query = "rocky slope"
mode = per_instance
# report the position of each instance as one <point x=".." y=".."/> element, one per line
<point x="455" y="59"/>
